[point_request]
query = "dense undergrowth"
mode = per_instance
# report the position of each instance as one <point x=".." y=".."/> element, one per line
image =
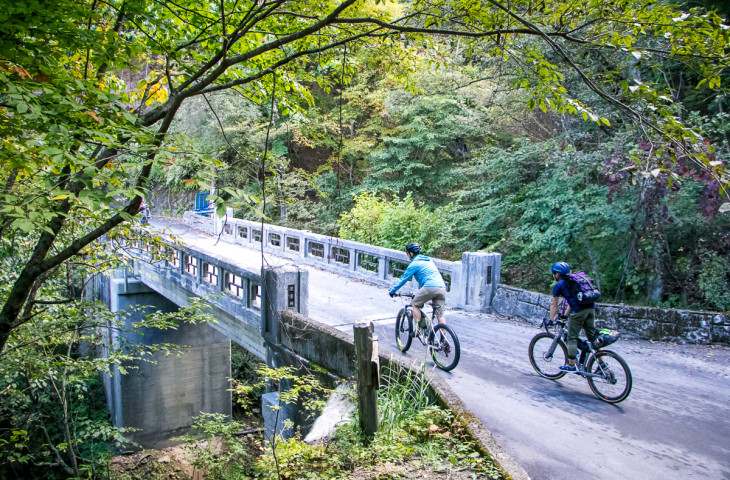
<point x="416" y="439"/>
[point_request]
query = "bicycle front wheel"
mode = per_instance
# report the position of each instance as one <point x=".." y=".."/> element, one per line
<point x="403" y="330"/>
<point x="545" y="362"/>
<point x="615" y="382"/>
<point x="445" y="348"/>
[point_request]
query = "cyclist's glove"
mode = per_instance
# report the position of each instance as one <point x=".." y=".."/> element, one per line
<point x="391" y="294"/>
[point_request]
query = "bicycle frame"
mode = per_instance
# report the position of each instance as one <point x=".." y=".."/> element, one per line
<point x="608" y="375"/>
<point x="430" y="323"/>
<point x="439" y="339"/>
<point x="562" y="334"/>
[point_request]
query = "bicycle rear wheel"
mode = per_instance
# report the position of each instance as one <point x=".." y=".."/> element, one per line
<point x="403" y="330"/>
<point x="615" y="384"/>
<point x="544" y="362"/>
<point x="445" y="348"/>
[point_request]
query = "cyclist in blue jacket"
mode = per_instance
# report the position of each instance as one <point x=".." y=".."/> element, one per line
<point x="431" y="285"/>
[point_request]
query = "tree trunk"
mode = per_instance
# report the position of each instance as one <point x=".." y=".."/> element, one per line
<point x="594" y="262"/>
<point x="655" y="281"/>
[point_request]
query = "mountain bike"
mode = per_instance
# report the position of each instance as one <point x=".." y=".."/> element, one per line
<point x="607" y="373"/>
<point x="440" y="339"/>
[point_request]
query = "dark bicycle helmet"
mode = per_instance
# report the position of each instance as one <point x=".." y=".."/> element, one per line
<point x="560" y="267"/>
<point x="413" y="248"/>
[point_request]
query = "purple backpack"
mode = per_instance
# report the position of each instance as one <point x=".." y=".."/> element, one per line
<point x="582" y="289"/>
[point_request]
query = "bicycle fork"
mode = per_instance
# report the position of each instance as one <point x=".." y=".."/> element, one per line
<point x="549" y="354"/>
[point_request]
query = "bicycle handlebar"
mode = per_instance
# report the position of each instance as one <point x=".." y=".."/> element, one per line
<point x="549" y="323"/>
<point x="409" y="295"/>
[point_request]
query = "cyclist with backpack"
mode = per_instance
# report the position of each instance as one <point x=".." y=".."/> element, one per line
<point x="431" y="285"/>
<point x="580" y="294"/>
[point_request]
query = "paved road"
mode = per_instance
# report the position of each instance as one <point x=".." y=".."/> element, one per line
<point x="674" y="425"/>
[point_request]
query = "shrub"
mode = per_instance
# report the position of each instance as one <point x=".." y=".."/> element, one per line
<point x="393" y="224"/>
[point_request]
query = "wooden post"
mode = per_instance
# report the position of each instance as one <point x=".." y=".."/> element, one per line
<point x="368" y="376"/>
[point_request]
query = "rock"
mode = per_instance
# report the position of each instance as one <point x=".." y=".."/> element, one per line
<point x="338" y="411"/>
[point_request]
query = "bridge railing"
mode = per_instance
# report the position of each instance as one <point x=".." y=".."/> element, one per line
<point x="471" y="283"/>
<point x="246" y="296"/>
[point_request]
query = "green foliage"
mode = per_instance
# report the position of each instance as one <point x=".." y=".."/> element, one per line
<point x="303" y="389"/>
<point x="246" y="386"/>
<point x="714" y="281"/>
<point x="52" y="404"/>
<point x="296" y="459"/>
<point x="414" y="435"/>
<point x="52" y="394"/>
<point x="215" y="448"/>
<point x="362" y="222"/>
<point x="432" y="134"/>
<point x="403" y="394"/>
<point x="394" y="224"/>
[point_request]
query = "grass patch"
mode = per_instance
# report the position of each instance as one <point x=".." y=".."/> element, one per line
<point x="416" y="438"/>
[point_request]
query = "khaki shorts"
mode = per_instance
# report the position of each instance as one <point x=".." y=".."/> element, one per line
<point x="437" y="295"/>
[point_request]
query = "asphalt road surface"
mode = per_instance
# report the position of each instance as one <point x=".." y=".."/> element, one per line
<point x="674" y="425"/>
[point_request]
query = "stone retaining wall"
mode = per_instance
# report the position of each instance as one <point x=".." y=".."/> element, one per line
<point x="634" y="322"/>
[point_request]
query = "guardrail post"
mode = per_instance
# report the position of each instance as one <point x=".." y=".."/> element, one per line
<point x="368" y="376"/>
<point x="479" y="278"/>
<point x="283" y="288"/>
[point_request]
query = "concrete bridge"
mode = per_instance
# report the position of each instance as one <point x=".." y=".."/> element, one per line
<point x="337" y="283"/>
<point x="246" y="295"/>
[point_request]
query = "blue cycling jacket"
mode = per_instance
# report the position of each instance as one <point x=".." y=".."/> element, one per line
<point x="425" y="271"/>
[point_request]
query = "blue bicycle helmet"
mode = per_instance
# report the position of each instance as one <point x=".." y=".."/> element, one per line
<point x="413" y="248"/>
<point x="560" y="267"/>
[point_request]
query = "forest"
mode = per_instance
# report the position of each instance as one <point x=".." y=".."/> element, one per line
<point x="446" y="143"/>
<point x="591" y="132"/>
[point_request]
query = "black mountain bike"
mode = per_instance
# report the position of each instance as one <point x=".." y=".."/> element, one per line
<point x="607" y="373"/>
<point x="440" y="339"/>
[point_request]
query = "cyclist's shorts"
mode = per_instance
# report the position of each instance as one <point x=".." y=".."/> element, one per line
<point x="437" y="295"/>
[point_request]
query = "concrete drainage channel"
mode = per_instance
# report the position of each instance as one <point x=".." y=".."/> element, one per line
<point x="335" y="351"/>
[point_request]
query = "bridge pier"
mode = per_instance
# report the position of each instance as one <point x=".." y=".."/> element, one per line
<point x="285" y="288"/>
<point x="163" y="398"/>
<point x="160" y="399"/>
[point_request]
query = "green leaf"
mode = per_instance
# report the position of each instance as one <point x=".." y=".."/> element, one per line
<point x="221" y="210"/>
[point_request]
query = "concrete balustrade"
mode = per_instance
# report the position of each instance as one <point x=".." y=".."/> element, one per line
<point x="471" y="283"/>
<point x="474" y="282"/>
<point x="239" y="295"/>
